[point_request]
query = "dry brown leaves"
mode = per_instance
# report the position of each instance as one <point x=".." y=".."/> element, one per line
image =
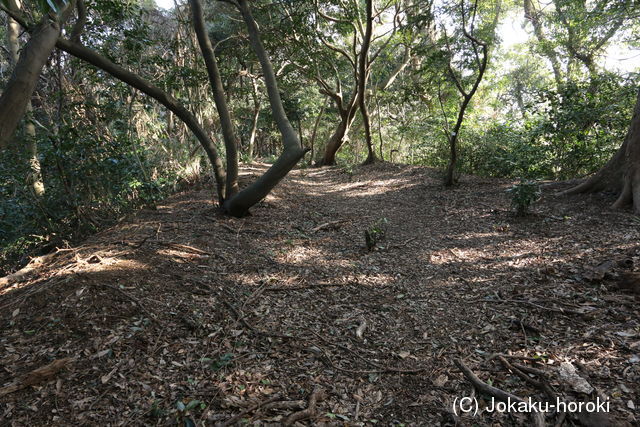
<point x="182" y="315"/>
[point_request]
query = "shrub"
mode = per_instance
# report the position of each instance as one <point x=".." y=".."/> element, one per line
<point x="523" y="195"/>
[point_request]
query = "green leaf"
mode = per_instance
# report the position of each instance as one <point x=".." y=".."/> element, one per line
<point x="192" y="404"/>
<point x="180" y="406"/>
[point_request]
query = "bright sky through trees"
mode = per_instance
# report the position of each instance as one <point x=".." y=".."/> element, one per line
<point x="165" y="4"/>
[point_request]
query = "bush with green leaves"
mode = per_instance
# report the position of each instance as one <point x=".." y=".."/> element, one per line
<point x="523" y="195"/>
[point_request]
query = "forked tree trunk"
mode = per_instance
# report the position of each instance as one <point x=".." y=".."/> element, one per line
<point x="239" y="205"/>
<point x="335" y="142"/>
<point x="621" y="174"/>
<point x="339" y="135"/>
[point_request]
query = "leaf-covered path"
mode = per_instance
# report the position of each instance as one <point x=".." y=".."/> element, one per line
<point x="180" y="313"/>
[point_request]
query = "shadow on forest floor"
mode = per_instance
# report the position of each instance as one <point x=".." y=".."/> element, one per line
<point x="181" y="304"/>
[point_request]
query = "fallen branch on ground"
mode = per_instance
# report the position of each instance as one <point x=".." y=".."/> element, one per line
<point x="318" y="395"/>
<point x="247" y="411"/>
<point x="36" y="376"/>
<point x="326" y="225"/>
<point x="502" y="395"/>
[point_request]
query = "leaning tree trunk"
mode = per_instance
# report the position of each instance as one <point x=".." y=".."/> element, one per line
<point x="20" y="87"/>
<point x="340" y="134"/>
<point x="239" y="204"/>
<point x="228" y="132"/>
<point x="34" y="177"/>
<point x="335" y="142"/>
<point x="621" y="174"/>
<point x="94" y="58"/>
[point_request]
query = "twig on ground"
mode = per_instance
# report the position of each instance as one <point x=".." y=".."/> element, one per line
<point x="531" y="303"/>
<point x="541" y="385"/>
<point x="247" y="411"/>
<point x="505" y="396"/>
<point x="298" y="288"/>
<point x="379" y="368"/>
<point x="132" y="298"/>
<point x="325" y="225"/>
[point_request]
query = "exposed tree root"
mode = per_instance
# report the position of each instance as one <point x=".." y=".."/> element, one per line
<point x="318" y="395"/>
<point x="621" y="174"/>
<point x="538" y="417"/>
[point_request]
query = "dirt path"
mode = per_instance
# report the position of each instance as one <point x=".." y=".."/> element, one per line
<point x="182" y="314"/>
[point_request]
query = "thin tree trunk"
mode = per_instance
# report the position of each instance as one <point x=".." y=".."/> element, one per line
<point x="363" y="74"/>
<point x="95" y="59"/>
<point x="533" y="16"/>
<point x="315" y="130"/>
<point x="293" y="151"/>
<point x="254" y="121"/>
<point x="228" y="132"/>
<point x="379" y="126"/>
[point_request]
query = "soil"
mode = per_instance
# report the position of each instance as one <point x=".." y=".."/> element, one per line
<point x="180" y="315"/>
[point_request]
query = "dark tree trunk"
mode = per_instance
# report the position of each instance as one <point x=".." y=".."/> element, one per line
<point x="228" y="132"/>
<point x="621" y="174"/>
<point x="336" y="141"/>
<point x="239" y="205"/>
<point x="363" y="74"/>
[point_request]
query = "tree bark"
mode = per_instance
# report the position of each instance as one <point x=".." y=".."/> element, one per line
<point x="239" y="205"/>
<point x="363" y="74"/>
<point x="23" y="80"/>
<point x="449" y="179"/>
<point x="533" y="16"/>
<point x="254" y="121"/>
<point x="228" y="132"/>
<point x="338" y="137"/>
<point x="34" y="177"/>
<point x="621" y="174"/>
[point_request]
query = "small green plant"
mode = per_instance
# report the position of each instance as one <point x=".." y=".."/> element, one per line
<point x="184" y="413"/>
<point x="375" y="233"/>
<point x="523" y="195"/>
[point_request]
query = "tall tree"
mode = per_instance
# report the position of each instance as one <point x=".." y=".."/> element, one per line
<point x="34" y="178"/>
<point x="622" y="173"/>
<point x="292" y="153"/>
<point x="476" y="58"/>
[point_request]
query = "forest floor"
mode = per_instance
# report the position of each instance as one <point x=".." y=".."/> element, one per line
<point x="181" y="315"/>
